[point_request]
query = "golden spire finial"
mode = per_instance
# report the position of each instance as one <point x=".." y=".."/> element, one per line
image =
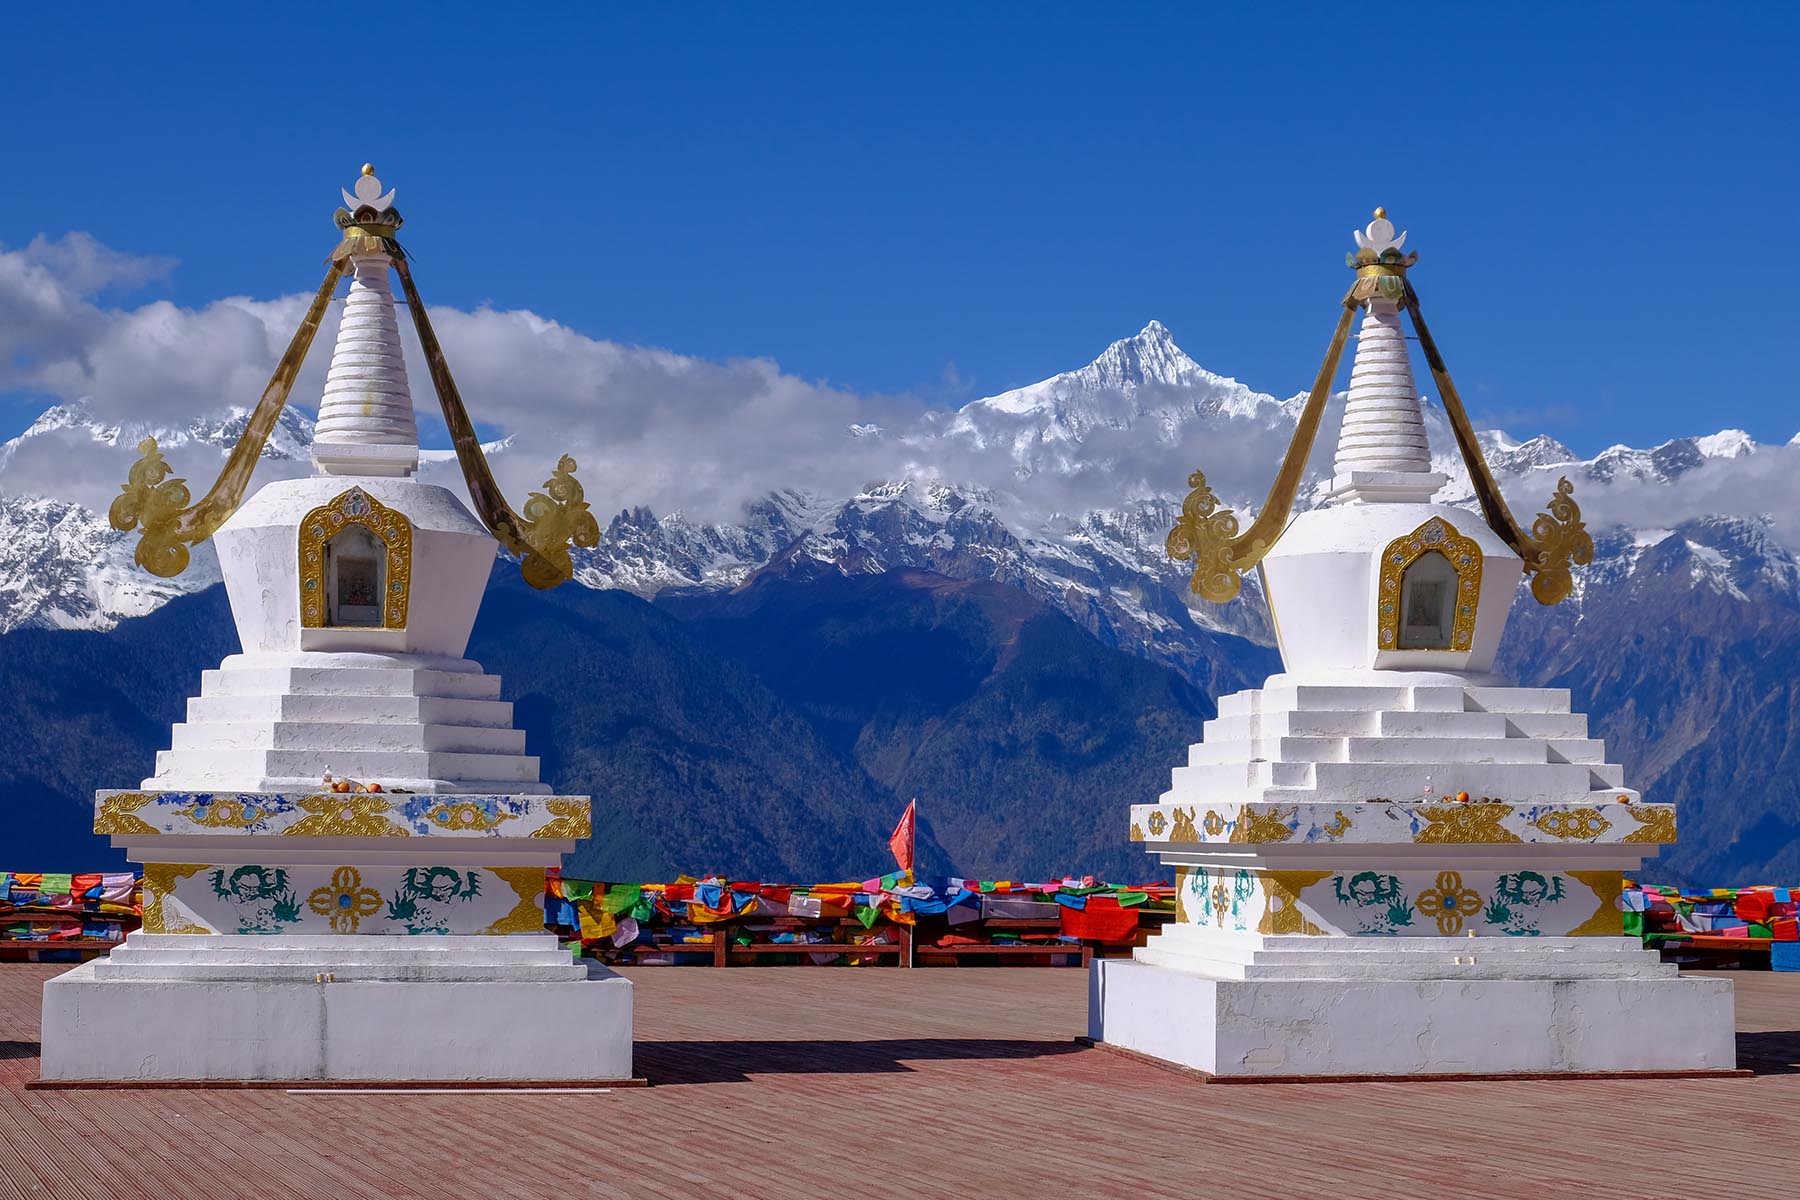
<point x="369" y="169"/>
<point x="1380" y="212"/>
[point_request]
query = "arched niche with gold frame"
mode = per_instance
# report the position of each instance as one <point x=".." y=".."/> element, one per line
<point x="1429" y="590"/>
<point x="332" y="525"/>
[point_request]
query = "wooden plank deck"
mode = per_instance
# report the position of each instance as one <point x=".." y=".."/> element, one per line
<point x="872" y="1084"/>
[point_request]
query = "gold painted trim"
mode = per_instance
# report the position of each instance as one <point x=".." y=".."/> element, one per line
<point x="554" y="518"/>
<point x="389" y="526"/>
<point x="1472" y="824"/>
<point x="159" y="505"/>
<point x="1608" y="920"/>
<point x="159" y="884"/>
<point x="345" y="814"/>
<point x="1440" y="536"/>
<point x="1654" y="825"/>
<point x="1286" y="886"/>
<point x="1261" y="828"/>
<point x="527" y="916"/>
<point x="574" y="819"/>
<point x="117" y="811"/>
<point x="1573" y="824"/>
<point x="1208" y="535"/>
<point x="452" y="813"/>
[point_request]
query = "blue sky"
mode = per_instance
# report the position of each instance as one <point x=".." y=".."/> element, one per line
<point x="949" y="200"/>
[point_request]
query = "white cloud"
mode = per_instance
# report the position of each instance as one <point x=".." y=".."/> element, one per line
<point x="1764" y="486"/>
<point x="656" y="428"/>
<point x="652" y="427"/>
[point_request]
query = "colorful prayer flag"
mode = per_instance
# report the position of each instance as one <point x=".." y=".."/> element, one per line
<point x="901" y="843"/>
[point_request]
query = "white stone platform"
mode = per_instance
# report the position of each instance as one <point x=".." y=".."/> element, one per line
<point x="374" y="1009"/>
<point x="1434" y="1018"/>
<point x="371" y="936"/>
<point x="1392" y="938"/>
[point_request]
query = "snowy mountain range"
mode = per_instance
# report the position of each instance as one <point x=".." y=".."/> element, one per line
<point x="1015" y="510"/>
<point x="1065" y="488"/>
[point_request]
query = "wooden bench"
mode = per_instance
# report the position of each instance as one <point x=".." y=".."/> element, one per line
<point x="713" y="944"/>
<point x="721" y="946"/>
<point x="901" y="948"/>
<point x="1043" y="925"/>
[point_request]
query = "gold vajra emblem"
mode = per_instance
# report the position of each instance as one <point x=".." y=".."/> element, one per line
<point x="344" y="900"/>
<point x="1449" y="903"/>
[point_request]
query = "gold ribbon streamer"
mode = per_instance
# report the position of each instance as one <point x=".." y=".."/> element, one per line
<point x="1558" y="538"/>
<point x="1209" y="535"/>
<point x="552" y="521"/>
<point x="160" y="504"/>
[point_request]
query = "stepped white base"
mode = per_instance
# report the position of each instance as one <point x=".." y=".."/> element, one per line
<point x="1356" y="736"/>
<point x="278" y="721"/>
<point x="461" y="1009"/>
<point x="1493" y="1018"/>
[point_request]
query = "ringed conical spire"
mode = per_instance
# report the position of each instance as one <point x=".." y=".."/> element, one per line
<point x="366" y="424"/>
<point x="1383" y="453"/>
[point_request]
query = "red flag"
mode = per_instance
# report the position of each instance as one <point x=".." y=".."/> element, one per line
<point x="902" y="841"/>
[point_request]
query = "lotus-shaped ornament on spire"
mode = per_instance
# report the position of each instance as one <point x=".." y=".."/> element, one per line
<point x="1377" y="245"/>
<point x="1378" y="236"/>
<point x="368" y="192"/>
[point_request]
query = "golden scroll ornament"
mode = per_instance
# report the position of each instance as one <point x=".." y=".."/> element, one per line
<point x="1209" y="536"/>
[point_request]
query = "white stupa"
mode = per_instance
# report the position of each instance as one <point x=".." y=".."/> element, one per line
<point x="1388" y="859"/>
<point x="295" y="931"/>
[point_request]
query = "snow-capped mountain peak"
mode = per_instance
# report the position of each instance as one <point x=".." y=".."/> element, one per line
<point x="289" y="441"/>
<point x="1727" y="443"/>
<point x="1003" y="489"/>
<point x="1150" y="358"/>
<point x="1146" y="381"/>
<point x="1148" y="361"/>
